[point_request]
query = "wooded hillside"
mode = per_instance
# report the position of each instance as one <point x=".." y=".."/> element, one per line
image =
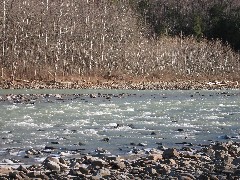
<point x="46" y="39"/>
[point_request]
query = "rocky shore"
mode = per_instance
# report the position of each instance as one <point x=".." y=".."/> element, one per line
<point x="136" y="85"/>
<point x="213" y="161"/>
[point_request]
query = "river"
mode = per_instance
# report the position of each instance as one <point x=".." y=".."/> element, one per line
<point x="117" y="120"/>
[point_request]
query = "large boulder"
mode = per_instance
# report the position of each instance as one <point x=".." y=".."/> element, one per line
<point x="52" y="164"/>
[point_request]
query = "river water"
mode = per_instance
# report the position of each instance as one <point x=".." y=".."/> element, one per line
<point x="118" y="120"/>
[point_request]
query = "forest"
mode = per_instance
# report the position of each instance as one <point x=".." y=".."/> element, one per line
<point x="156" y="39"/>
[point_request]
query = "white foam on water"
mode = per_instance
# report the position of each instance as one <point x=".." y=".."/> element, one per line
<point x="220" y="123"/>
<point x="27" y="118"/>
<point x="210" y="110"/>
<point x="148" y="122"/>
<point x="112" y="124"/>
<point x="97" y="113"/>
<point x="129" y="109"/>
<point x="213" y="117"/>
<point x="94" y="123"/>
<point x="25" y="124"/>
<point x="45" y="125"/>
<point x="40" y="160"/>
<point x="11" y="107"/>
<point x="147" y="114"/>
<point x="91" y="132"/>
<point x="75" y="124"/>
<point x="228" y="105"/>
<point x="123" y="128"/>
<point x="58" y="112"/>
<point x="108" y="105"/>
<point x="30" y="106"/>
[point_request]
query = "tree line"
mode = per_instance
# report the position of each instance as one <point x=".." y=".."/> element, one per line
<point x="46" y="39"/>
<point x="212" y="19"/>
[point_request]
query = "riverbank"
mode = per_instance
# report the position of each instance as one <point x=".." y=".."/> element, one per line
<point x="118" y="84"/>
<point x="213" y="161"/>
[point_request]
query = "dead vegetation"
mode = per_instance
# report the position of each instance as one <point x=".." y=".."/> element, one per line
<point x="65" y="40"/>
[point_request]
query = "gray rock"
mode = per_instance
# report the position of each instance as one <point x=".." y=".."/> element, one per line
<point x="92" y="95"/>
<point x="118" y="165"/>
<point x="220" y="147"/>
<point x="237" y="172"/>
<point x="99" y="163"/>
<point x="15" y="175"/>
<point x="219" y="154"/>
<point x="113" y="158"/>
<point x="188" y="175"/>
<point x="51" y="165"/>
<point x="170" y="153"/>
<point x="150" y="170"/>
<point x="142" y="144"/>
<point x="83" y="170"/>
<point x="23" y="169"/>
<point x="54" y="159"/>
<point x="155" y="157"/>
<point x="33" y="174"/>
<point x="96" y="177"/>
<point x="236" y="161"/>
<point x="104" y="172"/>
<point x="24" y="176"/>
<point x="62" y="161"/>
<point x="185" y="178"/>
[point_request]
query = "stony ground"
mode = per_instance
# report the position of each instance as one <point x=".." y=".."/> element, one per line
<point x="111" y="84"/>
<point x="214" y="161"/>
